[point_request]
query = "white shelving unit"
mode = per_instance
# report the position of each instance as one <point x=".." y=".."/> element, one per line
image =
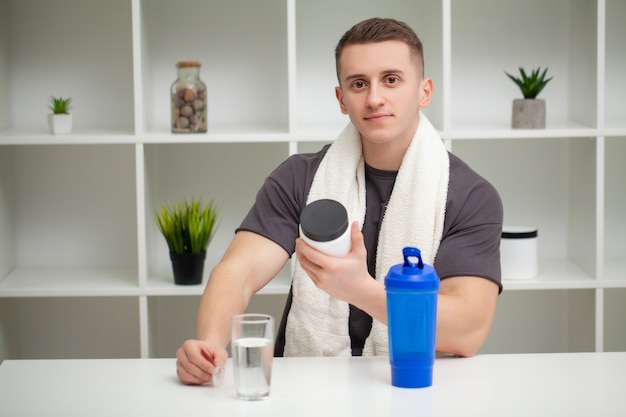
<point x="83" y="269"/>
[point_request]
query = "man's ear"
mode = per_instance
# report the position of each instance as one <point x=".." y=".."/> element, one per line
<point x="339" y="95"/>
<point x="426" y="90"/>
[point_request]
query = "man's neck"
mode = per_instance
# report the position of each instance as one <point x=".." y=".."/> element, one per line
<point x="386" y="157"/>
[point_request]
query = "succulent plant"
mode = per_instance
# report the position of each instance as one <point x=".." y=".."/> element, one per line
<point x="531" y="85"/>
<point x="60" y="105"/>
<point x="188" y="226"/>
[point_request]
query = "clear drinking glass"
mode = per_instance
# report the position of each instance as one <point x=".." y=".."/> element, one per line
<point x="252" y="346"/>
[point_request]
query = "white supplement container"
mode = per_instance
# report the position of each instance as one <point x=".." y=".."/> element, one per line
<point x="518" y="252"/>
<point x="325" y="225"/>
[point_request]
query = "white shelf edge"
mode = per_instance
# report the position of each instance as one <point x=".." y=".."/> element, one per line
<point x="318" y="135"/>
<point x="102" y="282"/>
<point x="614" y="131"/>
<point x="25" y="282"/>
<point x="30" y="282"/>
<point x="11" y="137"/>
<point x="230" y="137"/>
<point x="115" y="137"/>
<point x="539" y="285"/>
<point x="559" y="274"/>
<point x="165" y="286"/>
<point x="502" y="133"/>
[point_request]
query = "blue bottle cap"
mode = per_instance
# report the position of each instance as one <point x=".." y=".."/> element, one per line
<point x="412" y="275"/>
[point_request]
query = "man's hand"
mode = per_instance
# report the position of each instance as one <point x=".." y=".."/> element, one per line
<point x="345" y="278"/>
<point x="196" y="361"/>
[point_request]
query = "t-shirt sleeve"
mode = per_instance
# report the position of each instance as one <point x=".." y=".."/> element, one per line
<point x="473" y="227"/>
<point x="276" y="210"/>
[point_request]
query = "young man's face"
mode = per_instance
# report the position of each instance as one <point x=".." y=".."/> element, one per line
<point x="382" y="91"/>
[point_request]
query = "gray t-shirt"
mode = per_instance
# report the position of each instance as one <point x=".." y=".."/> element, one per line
<point x="470" y="244"/>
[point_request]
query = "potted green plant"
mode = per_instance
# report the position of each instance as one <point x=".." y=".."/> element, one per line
<point x="60" y="120"/>
<point x="529" y="112"/>
<point x="188" y="228"/>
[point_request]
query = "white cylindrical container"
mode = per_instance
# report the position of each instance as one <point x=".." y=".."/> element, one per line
<point x="519" y="252"/>
<point x="325" y="225"/>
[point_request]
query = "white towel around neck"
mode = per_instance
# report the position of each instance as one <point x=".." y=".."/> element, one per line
<point x="317" y="324"/>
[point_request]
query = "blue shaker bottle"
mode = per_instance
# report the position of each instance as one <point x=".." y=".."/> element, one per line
<point x="411" y="320"/>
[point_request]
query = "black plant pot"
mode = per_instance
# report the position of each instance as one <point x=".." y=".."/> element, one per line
<point x="188" y="267"/>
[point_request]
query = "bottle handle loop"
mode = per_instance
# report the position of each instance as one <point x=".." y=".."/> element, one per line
<point x="412" y="252"/>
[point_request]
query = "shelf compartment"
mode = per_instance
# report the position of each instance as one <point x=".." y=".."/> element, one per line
<point x="543" y="321"/>
<point x="614" y="313"/>
<point x="173" y="319"/>
<point x="231" y="174"/>
<point x="321" y="24"/>
<point x="242" y="46"/>
<point x="490" y="37"/>
<point x="5" y="79"/>
<point x="70" y="206"/>
<point x="94" y="68"/>
<point x="614" y="209"/>
<point x="311" y="147"/>
<point x="7" y="211"/>
<point x="614" y="273"/>
<point x="543" y="183"/>
<point x="69" y="328"/>
<point x="615" y="62"/>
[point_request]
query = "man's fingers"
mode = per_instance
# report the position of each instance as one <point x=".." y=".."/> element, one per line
<point x="187" y="377"/>
<point x="192" y="367"/>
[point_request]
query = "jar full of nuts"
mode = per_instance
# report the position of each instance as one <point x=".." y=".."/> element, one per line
<point x="189" y="100"/>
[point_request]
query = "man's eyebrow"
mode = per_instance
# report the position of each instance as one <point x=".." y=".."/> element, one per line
<point x="353" y="77"/>
<point x="385" y="72"/>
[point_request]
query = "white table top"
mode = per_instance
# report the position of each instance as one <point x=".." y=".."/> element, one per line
<point x="571" y="384"/>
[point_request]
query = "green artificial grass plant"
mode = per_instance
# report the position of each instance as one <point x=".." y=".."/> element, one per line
<point x="188" y="226"/>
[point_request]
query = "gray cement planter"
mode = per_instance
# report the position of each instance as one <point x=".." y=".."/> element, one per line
<point x="528" y="114"/>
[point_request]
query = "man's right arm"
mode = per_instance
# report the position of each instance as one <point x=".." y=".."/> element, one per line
<point x="250" y="262"/>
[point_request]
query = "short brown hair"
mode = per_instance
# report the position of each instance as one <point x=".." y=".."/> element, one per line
<point x="379" y="29"/>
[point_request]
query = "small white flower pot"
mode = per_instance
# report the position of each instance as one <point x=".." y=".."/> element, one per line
<point x="60" y="124"/>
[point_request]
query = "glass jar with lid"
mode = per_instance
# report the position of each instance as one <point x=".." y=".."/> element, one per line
<point x="189" y="99"/>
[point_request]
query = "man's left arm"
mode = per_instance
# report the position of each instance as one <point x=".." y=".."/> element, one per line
<point x="466" y="307"/>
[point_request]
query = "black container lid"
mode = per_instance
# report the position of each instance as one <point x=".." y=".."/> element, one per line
<point x="324" y="220"/>
<point x="519" y="232"/>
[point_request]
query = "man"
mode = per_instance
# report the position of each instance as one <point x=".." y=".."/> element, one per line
<point x="401" y="188"/>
